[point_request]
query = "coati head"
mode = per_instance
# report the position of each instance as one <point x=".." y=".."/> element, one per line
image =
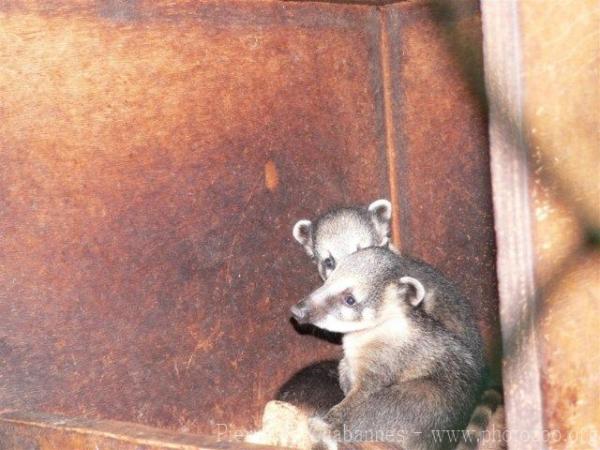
<point x="366" y="289"/>
<point x="343" y="231"/>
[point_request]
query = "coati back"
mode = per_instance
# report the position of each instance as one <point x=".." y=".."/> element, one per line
<point x="408" y="368"/>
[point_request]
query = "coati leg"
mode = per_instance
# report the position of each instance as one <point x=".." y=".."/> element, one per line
<point x="344" y="376"/>
<point x="404" y="414"/>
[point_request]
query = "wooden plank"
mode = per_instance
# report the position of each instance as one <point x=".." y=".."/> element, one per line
<point x="152" y="167"/>
<point x="544" y="91"/>
<point x="27" y="430"/>
<point x="561" y="110"/>
<point x="510" y="176"/>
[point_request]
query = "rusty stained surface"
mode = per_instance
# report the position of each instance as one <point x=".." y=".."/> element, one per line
<point x="23" y="431"/>
<point x="155" y="156"/>
<point x="561" y="116"/>
<point x="441" y="150"/>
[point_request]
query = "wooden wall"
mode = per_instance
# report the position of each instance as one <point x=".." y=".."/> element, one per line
<point x="154" y="156"/>
<point x="544" y="86"/>
<point x="438" y="149"/>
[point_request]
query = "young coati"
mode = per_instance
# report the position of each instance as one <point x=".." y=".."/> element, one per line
<point x="327" y="239"/>
<point x="413" y="359"/>
<point x="343" y="231"/>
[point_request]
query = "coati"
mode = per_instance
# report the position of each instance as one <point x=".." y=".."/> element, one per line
<point x="327" y="239"/>
<point x="342" y="231"/>
<point x="413" y="358"/>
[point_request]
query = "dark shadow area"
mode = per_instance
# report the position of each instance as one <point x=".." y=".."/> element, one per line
<point x="311" y="330"/>
<point x="315" y="387"/>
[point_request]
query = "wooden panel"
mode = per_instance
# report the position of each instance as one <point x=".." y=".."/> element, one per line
<point x="438" y="137"/>
<point x="544" y="89"/>
<point x="561" y="111"/>
<point x="24" y="431"/>
<point x="520" y="369"/>
<point x="154" y="157"/>
<point x="570" y="354"/>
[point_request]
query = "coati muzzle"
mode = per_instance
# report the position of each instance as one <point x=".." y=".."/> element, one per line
<point x="300" y="312"/>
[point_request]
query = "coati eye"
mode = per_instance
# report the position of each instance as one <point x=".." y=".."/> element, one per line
<point x="329" y="263"/>
<point x="349" y="300"/>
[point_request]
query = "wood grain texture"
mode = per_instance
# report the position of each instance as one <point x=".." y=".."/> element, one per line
<point x="441" y="160"/>
<point x="146" y="263"/>
<point x="544" y="86"/>
<point x="561" y="111"/>
<point x="510" y="176"/>
<point x="23" y="431"/>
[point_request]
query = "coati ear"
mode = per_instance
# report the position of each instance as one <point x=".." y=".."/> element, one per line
<point x="381" y="215"/>
<point x="413" y="290"/>
<point x="303" y="233"/>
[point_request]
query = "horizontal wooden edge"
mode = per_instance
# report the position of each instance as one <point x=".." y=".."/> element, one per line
<point x="52" y="431"/>
<point x="46" y="427"/>
<point x="353" y="2"/>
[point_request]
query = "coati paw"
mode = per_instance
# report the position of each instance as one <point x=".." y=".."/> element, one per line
<point x="318" y="427"/>
<point x="321" y="435"/>
<point x="335" y="415"/>
<point x="283" y="425"/>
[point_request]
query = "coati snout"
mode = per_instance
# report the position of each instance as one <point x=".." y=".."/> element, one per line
<point x="315" y="309"/>
<point x="301" y="312"/>
<point x="359" y="295"/>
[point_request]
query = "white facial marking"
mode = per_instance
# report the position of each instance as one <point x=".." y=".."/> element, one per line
<point x="368" y="314"/>
<point x="347" y="312"/>
<point x="324" y="292"/>
<point x="332" y="288"/>
<point x="390" y="325"/>
<point x="336" y="325"/>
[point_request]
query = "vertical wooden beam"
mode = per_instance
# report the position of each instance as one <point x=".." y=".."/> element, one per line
<point x="543" y="86"/>
<point x="390" y="134"/>
<point x="510" y="178"/>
